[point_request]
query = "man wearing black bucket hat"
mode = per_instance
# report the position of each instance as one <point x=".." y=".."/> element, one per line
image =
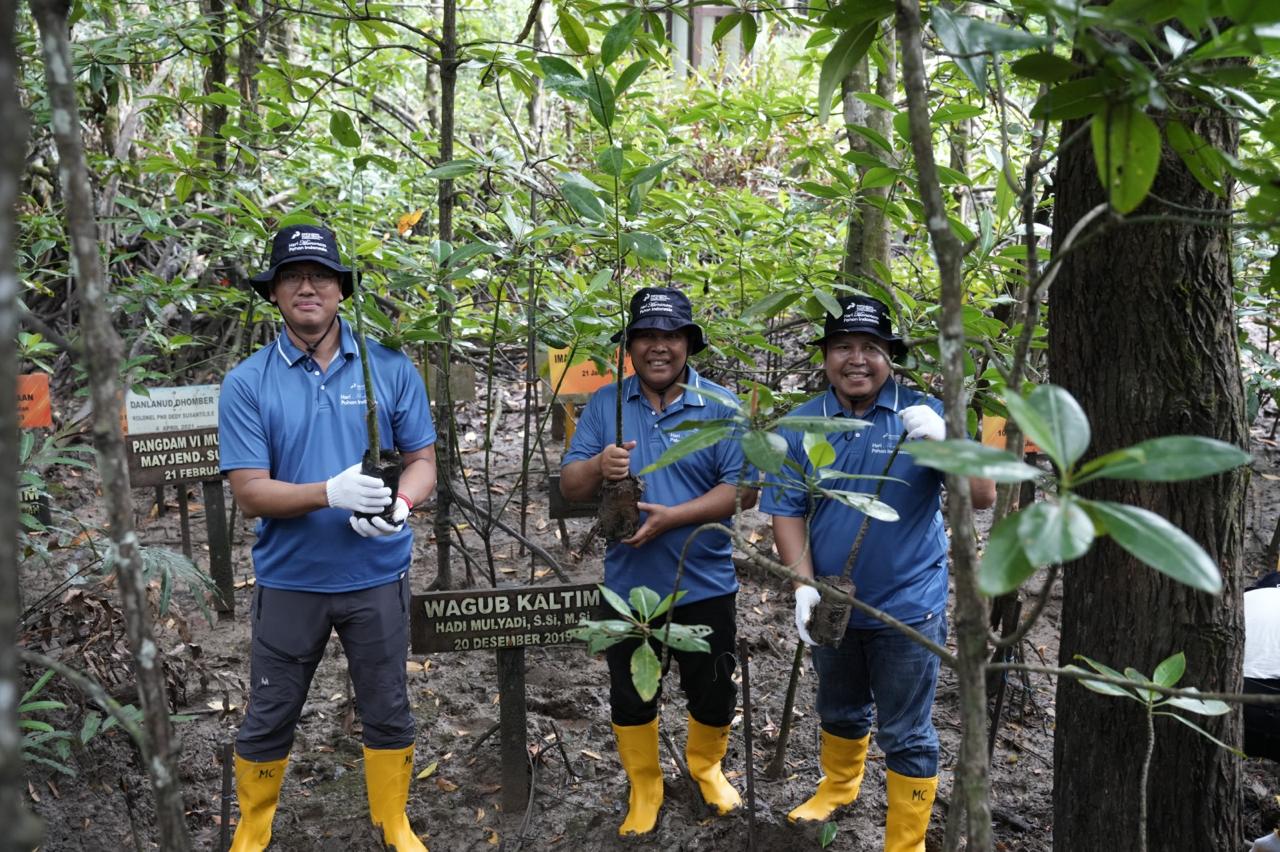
<point x="876" y="672"/>
<point x="292" y="432"/>
<point x="699" y="488"/>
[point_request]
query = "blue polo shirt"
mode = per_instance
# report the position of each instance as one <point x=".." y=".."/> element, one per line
<point x="280" y="413"/>
<point x="902" y="567"/>
<point x="708" y="569"/>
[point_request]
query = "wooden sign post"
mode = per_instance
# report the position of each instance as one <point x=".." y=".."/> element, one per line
<point x="507" y="620"/>
<point x="173" y="439"/>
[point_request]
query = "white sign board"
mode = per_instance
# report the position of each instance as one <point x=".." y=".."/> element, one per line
<point x="172" y="409"/>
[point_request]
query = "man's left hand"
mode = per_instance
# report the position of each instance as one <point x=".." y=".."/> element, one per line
<point x="379" y="526"/>
<point x="661" y="518"/>
<point x="921" y="421"/>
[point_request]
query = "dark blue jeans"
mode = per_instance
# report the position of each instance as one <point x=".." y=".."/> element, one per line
<point x="290" y="631"/>
<point x="882" y="675"/>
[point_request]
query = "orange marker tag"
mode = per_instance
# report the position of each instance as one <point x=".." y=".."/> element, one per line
<point x="34" y="411"/>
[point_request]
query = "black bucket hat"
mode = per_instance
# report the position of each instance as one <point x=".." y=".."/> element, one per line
<point x="664" y="308"/>
<point x="298" y="243"/>
<point x="863" y="315"/>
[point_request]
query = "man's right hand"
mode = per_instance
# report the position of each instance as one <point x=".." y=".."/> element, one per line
<point x="356" y="492"/>
<point x="615" y="461"/>
<point x="807" y="598"/>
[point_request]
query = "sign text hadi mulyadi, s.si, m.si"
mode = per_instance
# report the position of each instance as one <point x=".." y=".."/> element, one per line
<point x="172" y="435"/>
<point x="501" y="618"/>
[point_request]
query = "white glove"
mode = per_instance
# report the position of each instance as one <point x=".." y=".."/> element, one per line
<point x="356" y="492"/>
<point x="377" y="525"/>
<point x="921" y="421"/>
<point x="807" y="598"/>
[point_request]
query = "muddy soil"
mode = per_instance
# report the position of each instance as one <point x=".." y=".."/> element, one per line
<point x="579" y="789"/>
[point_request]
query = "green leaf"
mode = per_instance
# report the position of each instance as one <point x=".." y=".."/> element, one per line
<point x="1170" y="670"/>
<point x="619" y="38"/>
<point x="845" y="53"/>
<point x="1204" y="161"/>
<point x="1253" y="11"/>
<point x="819" y="450"/>
<point x="829" y="832"/>
<point x="765" y="450"/>
<point x="644" y="600"/>
<point x="1004" y="566"/>
<point x="646" y="246"/>
<point x="183" y="187"/>
<point x="614" y="600"/>
<point x="1054" y="532"/>
<point x="829" y="302"/>
<point x="575" y="34"/>
<point x="1201" y="731"/>
<point x="1153" y="540"/>
<point x="1099" y="686"/>
<point x="698" y="440"/>
<point x="1205" y="707"/>
<point x="646" y="671"/>
<point x="867" y="504"/>
<point x="1126" y="149"/>
<point x="600" y="99"/>
<point x="452" y="169"/>
<point x="629" y="75"/>
<point x="969" y="458"/>
<point x="1174" y="458"/>
<point x="724" y="25"/>
<point x="1051" y="417"/>
<point x="583" y="201"/>
<point x="343" y="130"/>
<point x="1044" y="67"/>
<point x="563" y="78"/>
<point x="612" y="161"/>
<point x="821" y="425"/>
<point x="651" y="172"/>
<point x="771" y="305"/>
<point x="1072" y="99"/>
<point x="750" y="30"/>
<point x="685" y="637"/>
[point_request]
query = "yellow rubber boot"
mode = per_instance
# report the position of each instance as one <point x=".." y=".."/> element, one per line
<point x="703" y="752"/>
<point x="842" y="765"/>
<point x="638" y="751"/>
<point x="910" y="806"/>
<point x="258" y="791"/>
<point x="386" y="774"/>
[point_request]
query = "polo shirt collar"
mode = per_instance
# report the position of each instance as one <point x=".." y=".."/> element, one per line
<point x="886" y="399"/>
<point x="292" y="354"/>
<point x="631" y="388"/>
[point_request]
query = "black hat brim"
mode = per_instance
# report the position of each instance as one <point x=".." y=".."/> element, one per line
<point x="262" y="281"/>
<point x="897" y="347"/>
<point x="697" y="340"/>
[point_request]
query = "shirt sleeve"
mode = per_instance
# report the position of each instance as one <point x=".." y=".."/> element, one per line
<point x="731" y="462"/>
<point x="411" y="425"/>
<point x="589" y="435"/>
<point x="242" y="437"/>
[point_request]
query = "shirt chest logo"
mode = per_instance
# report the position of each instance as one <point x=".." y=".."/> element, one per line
<point x="352" y="394"/>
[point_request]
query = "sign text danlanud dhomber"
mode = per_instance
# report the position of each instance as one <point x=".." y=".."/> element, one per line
<point x="172" y="435"/>
<point x="501" y="618"/>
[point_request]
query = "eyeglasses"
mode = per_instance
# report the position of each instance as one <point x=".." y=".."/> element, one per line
<point x="321" y="279"/>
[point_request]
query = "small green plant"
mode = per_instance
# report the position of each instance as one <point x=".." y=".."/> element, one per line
<point x="50" y="746"/>
<point x="1167" y="674"/>
<point x="639" y="622"/>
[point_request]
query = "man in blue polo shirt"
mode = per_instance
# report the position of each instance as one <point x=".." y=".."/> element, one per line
<point x="292" y="433"/>
<point x="700" y="488"/>
<point x="876" y="672"/>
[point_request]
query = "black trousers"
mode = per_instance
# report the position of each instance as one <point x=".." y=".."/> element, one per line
<point x="1262" y="721"/>
<point x="290" y="632"/>
<point x="706" y="679"/>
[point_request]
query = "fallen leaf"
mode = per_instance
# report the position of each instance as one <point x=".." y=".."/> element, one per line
<point x="479" y="814"/>
<point x="337" y="696"/>
<point x="446" y="785"/>
<point x="426" y="773"/>
<point x="493" y="837"/>
<point x="590" y="754"/>
<point x="406" y="222"/>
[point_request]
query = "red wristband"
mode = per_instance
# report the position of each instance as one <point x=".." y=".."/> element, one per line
<point x="406" y="500"/>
